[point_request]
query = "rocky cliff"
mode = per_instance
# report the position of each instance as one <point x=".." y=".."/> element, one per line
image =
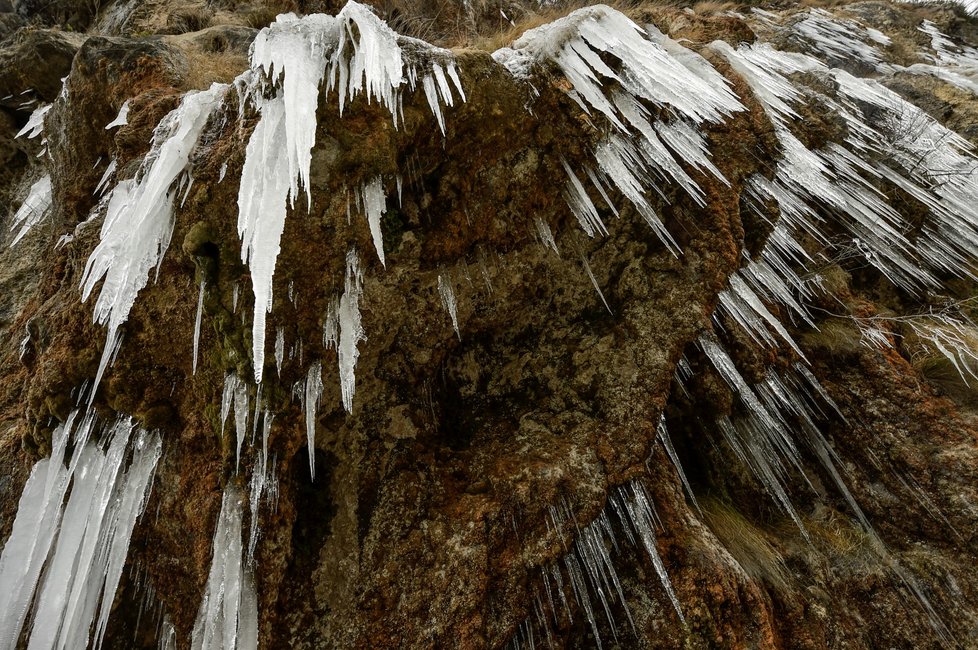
<point x="635" y="327"/>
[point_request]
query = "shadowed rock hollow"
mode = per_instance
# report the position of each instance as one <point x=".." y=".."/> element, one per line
<point x="753" y="427"/>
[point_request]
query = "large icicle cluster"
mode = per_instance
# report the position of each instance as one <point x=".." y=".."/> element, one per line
<point x="588" y="569"/>
<point x="139" y="218"/>
<point x="776" y="411"/>
<point x="649" y="71"/>
<point x="64" y="559"/>
<point x="898" y="143"/>
<point x="355" y="52"/>
<point x="228" y="614"/>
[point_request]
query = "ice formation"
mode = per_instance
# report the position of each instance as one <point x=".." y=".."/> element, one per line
<point x="35" y="123"/>
<point x="446" y="291"/>
<point x="839" y="40"/>
<point x="592" y="581"/>
<point x="235" y="394"/>
<point x="343" y="331"/>
<point x="354" y="52"/>
<point x="889" y="139"/>
<point x="121" y="119"/>
<point x="228" y="614"/>
<point x="648" y="69"/>
<point x="375" y="204"/>
<point x="139" y="218"/>
<point x="197" y="320"/>
<point x="67" y="556"/>
<point x="32" y="210"/>
<point x="310" y="403"/>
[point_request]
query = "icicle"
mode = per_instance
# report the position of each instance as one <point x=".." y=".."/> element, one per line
<point x="637" y="504"/>
<point x="594" y="282"/>
<point x="349" y="330"/>
<point x="674" y="457"/>
<point x="581" y="205"/>
<point x="121" y="119"/>
<point x="448" y="300"/>
<point x="235" y="395"/>
<point x="310" y="404"/>
<point x="279" y="349"/>
<point x="35" y="123"/>
<point x="139" y="218"/>
<point x="93" y="527"/>
<point x="375" y="204"/>
<point x="546" y="235"/>
<point x="32" y="210"/>
<point x="104" y="181"/>
<point x="200" y="314"/>
<point x="228" y="614"/>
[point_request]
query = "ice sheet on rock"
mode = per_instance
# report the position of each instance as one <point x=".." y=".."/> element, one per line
<point x="279" y="348"/>
<point x="577" y="42"/>
<point x="228" y="615"/>
<point x="121" y="119"/>
<point x="310" y="406"/>
<point x="139" y="217"/>
<point x="446" y="291"/>
<point x="32" y="210"/>
<point x="833" y="180"/>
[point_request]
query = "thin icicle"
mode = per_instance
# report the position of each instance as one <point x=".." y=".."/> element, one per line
<point x="594" y="282"/>
<point x="310" y="405"/>
<point x="200" y="314"/>
<point x="666" y="441"/>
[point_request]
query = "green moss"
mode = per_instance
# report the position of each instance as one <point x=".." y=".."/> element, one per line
<point x="157" y="416"/>
<point x="393" y="226"/>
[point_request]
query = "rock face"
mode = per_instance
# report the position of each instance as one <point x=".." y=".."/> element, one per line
<point x="542" y="448"/>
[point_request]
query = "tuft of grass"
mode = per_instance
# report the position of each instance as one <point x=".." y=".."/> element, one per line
<point x="207" y="67"/>
<point x="837" y="336"/>
<point x="748" y="544"/>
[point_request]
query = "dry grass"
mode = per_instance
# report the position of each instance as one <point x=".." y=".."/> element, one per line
<point x="836" y="336"/>
<point x="747" y="544"/>
<point x="208" y="67"/>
